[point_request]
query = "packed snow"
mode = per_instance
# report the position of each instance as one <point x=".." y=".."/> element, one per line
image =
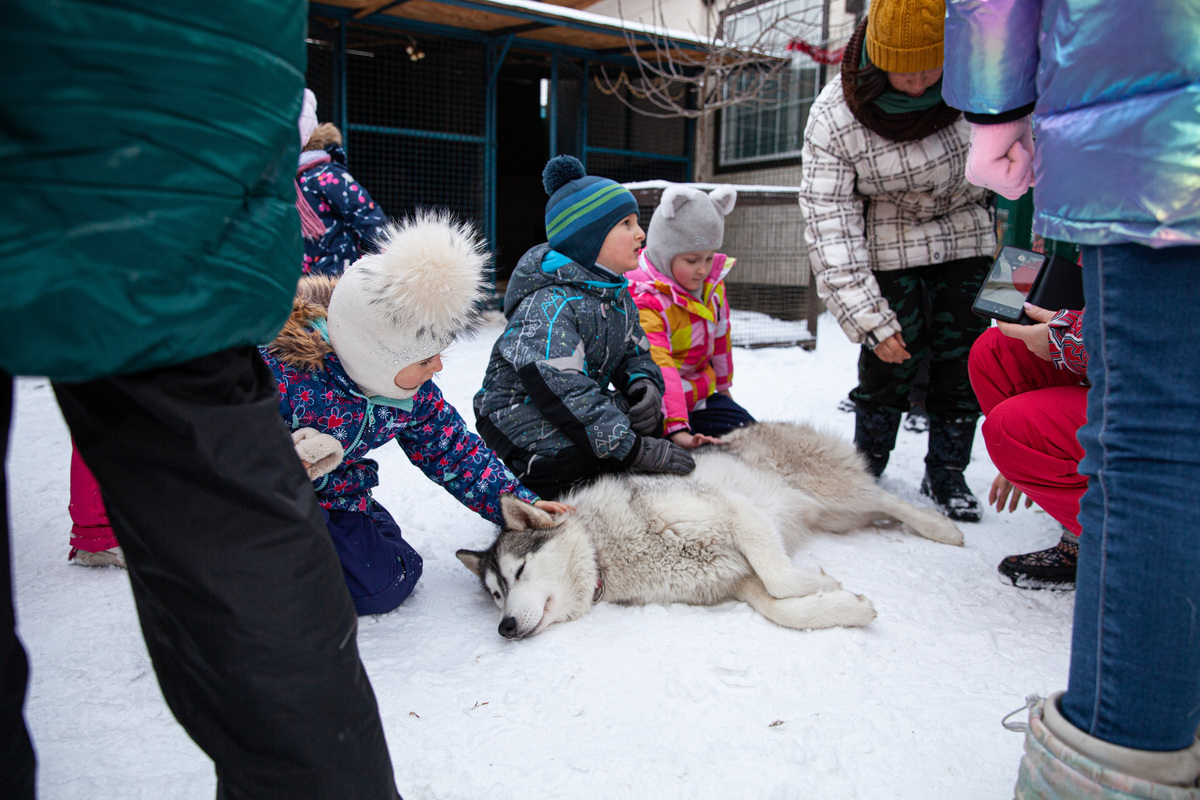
<point x="628" y="702"/>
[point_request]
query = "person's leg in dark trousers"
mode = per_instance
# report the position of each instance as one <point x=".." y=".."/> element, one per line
<point x="547" y="477"/>
<point x="950" y="402"/>
<point x="953" y="329"/>
<point x="551" y="478"/>
<point x="881" y="396"/>
<point x="17" y="762"/>
<point x="238" y="588"/>
<point x="720" y="415"/>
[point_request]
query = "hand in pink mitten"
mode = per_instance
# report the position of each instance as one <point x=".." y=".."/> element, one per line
<point x="1001" y="157"/>
<point x="320" y="452"/>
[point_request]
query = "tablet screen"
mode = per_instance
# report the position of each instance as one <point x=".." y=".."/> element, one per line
<point x="1008" y="284"/>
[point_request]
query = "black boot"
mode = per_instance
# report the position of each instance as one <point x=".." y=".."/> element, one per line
<point x="916" y="420"/>
<point x="949" y="452"/>
<point x="875" y="436"/>
<point x="1052" y="568"/>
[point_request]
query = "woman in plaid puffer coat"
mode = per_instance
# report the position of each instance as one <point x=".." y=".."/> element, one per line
<point x="898" y="240"/>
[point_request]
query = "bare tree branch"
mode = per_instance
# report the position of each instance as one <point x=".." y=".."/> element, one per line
<point x="737" y="63"/>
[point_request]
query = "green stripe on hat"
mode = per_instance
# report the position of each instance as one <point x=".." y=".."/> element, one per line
<point x="581" y="208"/>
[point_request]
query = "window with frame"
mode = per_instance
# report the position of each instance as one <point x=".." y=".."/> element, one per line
<point x="770" y="126"/>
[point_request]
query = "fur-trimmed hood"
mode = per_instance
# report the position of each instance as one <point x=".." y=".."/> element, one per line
<point x="299" y="344"/>
<point x="324" y="136"/>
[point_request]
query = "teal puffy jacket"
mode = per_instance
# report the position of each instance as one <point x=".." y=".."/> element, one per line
<point x="148" y="151"/>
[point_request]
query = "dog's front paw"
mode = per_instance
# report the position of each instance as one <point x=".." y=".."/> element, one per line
<point x="834" y="609"/>
<point x="857" y="610"/>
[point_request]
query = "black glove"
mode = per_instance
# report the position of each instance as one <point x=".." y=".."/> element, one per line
<point x="645" y="411"/>
<point x="662" y="455"/>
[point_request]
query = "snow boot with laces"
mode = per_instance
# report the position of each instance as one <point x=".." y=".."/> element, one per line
<point x="949" y="453"/>
<point x="1052" y="568"/>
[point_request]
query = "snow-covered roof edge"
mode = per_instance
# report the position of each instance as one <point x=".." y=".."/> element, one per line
<point x="603" y="20"/>
<point x="741" y="187"/>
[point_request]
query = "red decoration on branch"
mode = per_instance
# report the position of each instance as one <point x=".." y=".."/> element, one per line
<point x="820" y="55"/>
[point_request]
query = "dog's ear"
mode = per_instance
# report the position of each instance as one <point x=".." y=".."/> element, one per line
<point x="472" y="560"/>
<point x="521" y="516"/>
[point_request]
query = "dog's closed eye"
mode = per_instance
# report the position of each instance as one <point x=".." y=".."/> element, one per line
<point x="520" y="571"/>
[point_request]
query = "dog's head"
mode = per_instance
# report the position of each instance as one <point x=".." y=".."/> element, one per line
<point x="540" y="570"/>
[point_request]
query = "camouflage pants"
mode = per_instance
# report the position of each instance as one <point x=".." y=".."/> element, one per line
<point x="946" y="337"/>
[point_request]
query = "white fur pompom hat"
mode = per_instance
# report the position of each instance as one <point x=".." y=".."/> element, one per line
<point x="407" y="302"/>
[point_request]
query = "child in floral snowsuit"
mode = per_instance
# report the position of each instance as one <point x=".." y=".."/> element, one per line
<point x="350" y="220"/>
<point x="354" y="364"/>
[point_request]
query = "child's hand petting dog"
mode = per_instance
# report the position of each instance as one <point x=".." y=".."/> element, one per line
<point x="319" y="452"/>
<point x="690" y="441"/>
<point x="553" y="507"/>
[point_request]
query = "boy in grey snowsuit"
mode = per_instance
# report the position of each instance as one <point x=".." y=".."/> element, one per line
<point x="571" y="391"/>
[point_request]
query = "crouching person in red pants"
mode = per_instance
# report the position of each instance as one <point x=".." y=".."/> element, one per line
<point x="1031" y="381"/>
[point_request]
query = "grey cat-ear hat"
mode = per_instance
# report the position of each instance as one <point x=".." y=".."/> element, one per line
<point x="687" y="220"/>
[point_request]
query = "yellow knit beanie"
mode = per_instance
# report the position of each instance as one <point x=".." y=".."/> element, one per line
<point x="906" y="35"/>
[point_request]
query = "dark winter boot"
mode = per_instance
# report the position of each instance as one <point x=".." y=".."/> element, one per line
<point x="949" y="452"/>
<point x="1052" y="568"/>
<point x="916" y="420"/>
<point x="875" y="436"/>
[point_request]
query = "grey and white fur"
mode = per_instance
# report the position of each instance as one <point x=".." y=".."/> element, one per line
<point x="724" y="532"/>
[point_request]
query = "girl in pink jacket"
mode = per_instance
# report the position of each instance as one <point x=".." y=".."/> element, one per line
<point x="679" y="290"/>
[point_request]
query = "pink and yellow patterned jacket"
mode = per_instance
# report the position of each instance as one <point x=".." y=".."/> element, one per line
<point x="689" y="336"/>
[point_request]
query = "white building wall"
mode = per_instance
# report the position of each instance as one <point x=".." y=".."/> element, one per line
<point x="690" y="16"/>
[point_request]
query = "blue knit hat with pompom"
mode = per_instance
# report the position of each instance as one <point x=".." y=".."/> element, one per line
<point x="582" y="209"/>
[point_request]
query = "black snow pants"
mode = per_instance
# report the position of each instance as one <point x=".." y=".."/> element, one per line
<point x="238" y="588"/>
<point x="947" y="336"/>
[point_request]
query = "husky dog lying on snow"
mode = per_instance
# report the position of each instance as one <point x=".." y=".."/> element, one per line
<point x="724" y="532"/>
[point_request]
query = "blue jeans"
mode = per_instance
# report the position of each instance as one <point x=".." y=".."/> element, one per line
<point x="1135" y="648"/>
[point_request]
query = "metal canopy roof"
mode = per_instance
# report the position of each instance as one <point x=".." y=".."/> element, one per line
<point x="555" y="22"/>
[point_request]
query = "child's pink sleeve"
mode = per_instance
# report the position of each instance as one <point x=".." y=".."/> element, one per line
<point x="722" y="359"/>
<point x="654" y="323"/>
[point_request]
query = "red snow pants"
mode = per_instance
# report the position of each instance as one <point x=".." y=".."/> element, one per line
<point x="90" y="529"/>
<point x="1033" y="410"/>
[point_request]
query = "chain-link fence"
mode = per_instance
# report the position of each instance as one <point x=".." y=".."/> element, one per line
<point x="414" y="113"/>
<point x="413" y="116"/>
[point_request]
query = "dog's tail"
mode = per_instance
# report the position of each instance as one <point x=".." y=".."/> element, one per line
<point x="924" y="521"/>
<point x="831" y="609"/>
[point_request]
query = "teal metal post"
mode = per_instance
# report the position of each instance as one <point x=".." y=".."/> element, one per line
<point x="340" y="100"/>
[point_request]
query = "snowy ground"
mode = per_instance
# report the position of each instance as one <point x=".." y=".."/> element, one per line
<point x="653" y="702"/>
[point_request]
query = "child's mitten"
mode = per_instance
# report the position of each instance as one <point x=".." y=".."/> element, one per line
<point x="645" y="413"/>
<point x="1001" y="157"/>
<point x="660" y="455"/>
<point x="320" y="451"/>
